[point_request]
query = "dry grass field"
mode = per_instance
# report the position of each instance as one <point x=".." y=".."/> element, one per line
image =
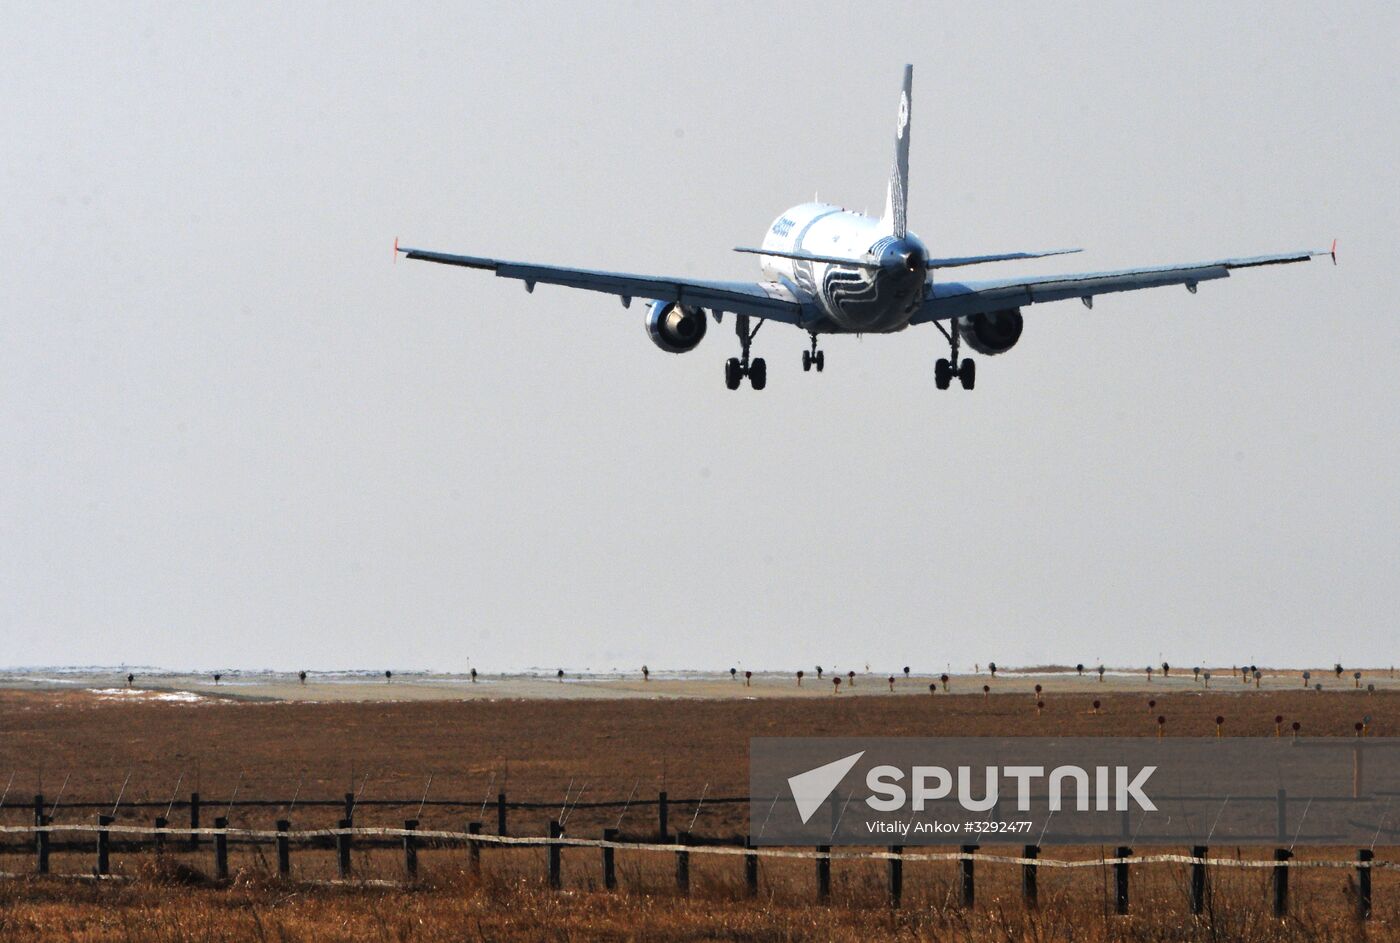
<point x="538" y="750"/>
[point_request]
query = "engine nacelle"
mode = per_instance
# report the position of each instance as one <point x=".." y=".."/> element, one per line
<point x="993" y="333"/>
<point x="675" y="328"/>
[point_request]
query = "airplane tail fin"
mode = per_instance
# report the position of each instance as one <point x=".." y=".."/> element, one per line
<point x="897" y="197"/>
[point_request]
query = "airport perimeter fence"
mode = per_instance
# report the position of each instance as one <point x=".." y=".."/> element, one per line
<point x="160" y="838"/>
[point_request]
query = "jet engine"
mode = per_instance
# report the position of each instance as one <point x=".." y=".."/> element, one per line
<point x="675" y="328"/>
<point x="992" y="333"/>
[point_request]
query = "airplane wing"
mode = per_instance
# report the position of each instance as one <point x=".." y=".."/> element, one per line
<point x="956" y="299"/>
<point x="772" y="300"/>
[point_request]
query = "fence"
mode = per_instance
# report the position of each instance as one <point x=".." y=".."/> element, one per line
<point x="682" y="844"/>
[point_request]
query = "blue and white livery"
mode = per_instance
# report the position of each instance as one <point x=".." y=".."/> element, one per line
<point x="827" y="270"/>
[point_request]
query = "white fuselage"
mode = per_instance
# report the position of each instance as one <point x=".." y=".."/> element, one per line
<point x="851" y="299"/>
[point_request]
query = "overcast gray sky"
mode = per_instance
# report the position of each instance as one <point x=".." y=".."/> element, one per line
<point x="232" y="433"/>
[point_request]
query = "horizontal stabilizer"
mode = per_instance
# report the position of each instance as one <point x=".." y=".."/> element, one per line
<point x="809" y="257"/>
<point x="1004" y="257"/>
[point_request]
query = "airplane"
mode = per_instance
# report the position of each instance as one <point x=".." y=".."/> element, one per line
<point x="827" y="270"/>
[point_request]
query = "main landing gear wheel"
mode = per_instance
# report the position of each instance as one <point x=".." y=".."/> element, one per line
<point x="736" y="368"/>
<point x="820" y="360"/>
<point x="806" y="361"/>
<point x="813" y="358"/>
<point x="945" y="369"/>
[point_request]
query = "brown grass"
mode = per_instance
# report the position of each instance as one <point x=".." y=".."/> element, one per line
<point x="538" y="748"/>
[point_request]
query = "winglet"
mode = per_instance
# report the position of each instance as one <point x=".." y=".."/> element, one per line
<point x="1334" y="251"/>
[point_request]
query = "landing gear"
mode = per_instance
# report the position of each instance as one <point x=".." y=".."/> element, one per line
<point x="813" y="358"/>
<point x="945" y="370"/>
<point x="736" y="368"/>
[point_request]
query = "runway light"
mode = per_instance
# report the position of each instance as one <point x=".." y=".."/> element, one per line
<point x="986" y="690"/>
<point x="473" y="675"/>
<point x="819" y="672"/>
<point x="933" y="688"/>
<point x="891" y="682"/>
<point x="944" y="679"/>
<point x="1356" y="677"/>
<point x="799" y="677"/>
<point x="1219" y="725"/>
<point x="1307" y="676"/>
<point x="906" y="672"/>
<point x="836" y="683"/>
<point x="1151" y="704"/>
<point x="1039" y="706"/>
<point x="1161" y="725"/>
<point x="1079" y="668"/>
<point x="992" y="667"/>
<point x="1096" y="708"/>
<point x="1278" y="725"/>
<point x="389" y="676"/>
<point x="748" y="679"/>
<point x="559" y="675"/>
<point x="646" y="673"/>
<point x="217" y="676"/>
<point x="851" y="677"/>
<point x="1037" y="690"/>
<point x="1206" y="675"/>
<point x="732" y="673"/>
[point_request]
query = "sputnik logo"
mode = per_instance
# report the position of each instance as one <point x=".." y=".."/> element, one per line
<point x="811" y="789"/>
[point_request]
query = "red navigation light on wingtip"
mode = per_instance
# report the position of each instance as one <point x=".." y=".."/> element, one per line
<point x="1334" y="252"/>
<point x="396" y="248"/>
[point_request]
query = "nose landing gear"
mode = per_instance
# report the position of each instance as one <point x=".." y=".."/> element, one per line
<point x="736" y="368"/>
<point x="945" y="370"/>
<point x="813" y="358"/>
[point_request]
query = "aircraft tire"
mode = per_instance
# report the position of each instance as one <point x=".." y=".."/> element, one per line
<point x="758" y="373"/>
<point x="820" y="360"/>
<point x="942" y="374"/>
<point x="806" y="361"/>
<point x="733" y="375"/>
<point x="967" y="373"/>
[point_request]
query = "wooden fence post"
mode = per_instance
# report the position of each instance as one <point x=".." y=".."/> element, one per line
<point x="221" y="850"/>
<point x="556" y="877"/>
<point x="41" y="847"/>
<point x="474" y="849"/>
<point x="609" y="864"/>
<point x="159" y="836"/>
<point x="1198" y="879"/>
<point x="284" y="849"/>
<point x="824" y="873"/>
<point x="663" y="815"/>
<point x="38" y="816"/>
<point x="194" y="819"/>
<point x="682" y="863"/>
<point x="1363" y="883"/>
<point x="410" y="850"/>
<point x="103" y="844"/>
<point x="1281" y="882"/>
<point x="750" y="872"/>
<point x="969" y="885"/>
<point x="500" y="813"/>
<point x="1030" y="876"/>
<point x="895" y="873"/>
<point x="342" y="849"/>
<point x="1120" y="880"/>
<point x="350" y="806"/>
